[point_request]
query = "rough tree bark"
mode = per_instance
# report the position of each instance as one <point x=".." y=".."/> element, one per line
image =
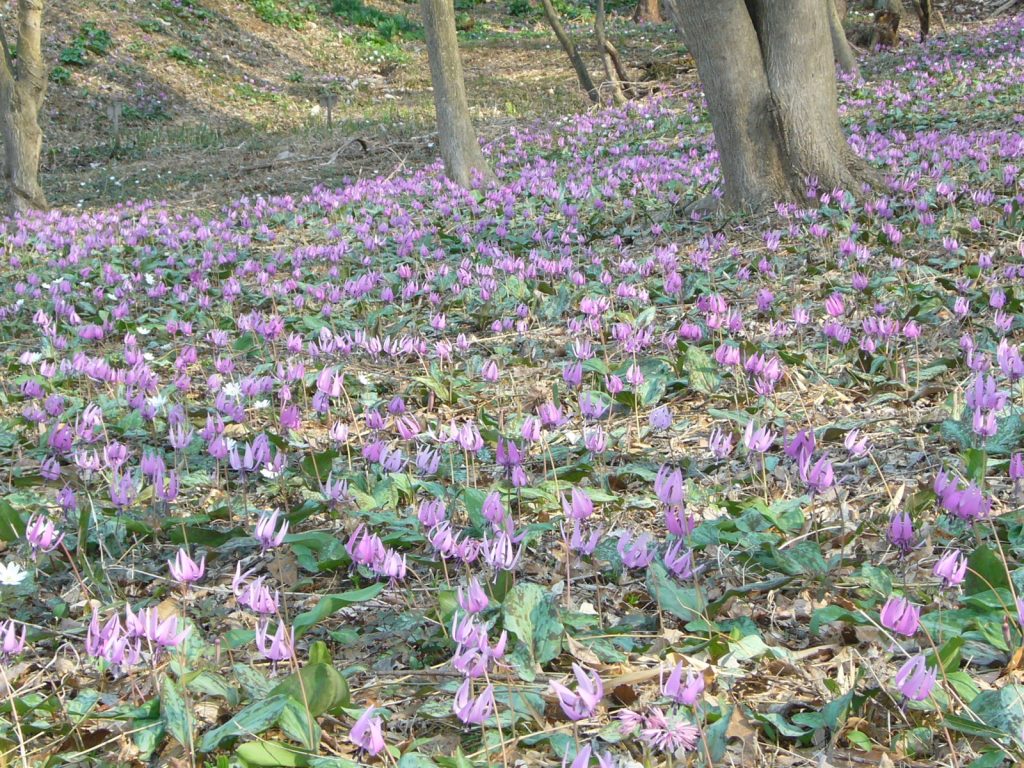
<point x="769" y="79"/>
<point x="22" y="90"/>
<point x="841" y="49"/>
<point x="460" y="149"/>
<point x="647" y="11"/>
<point x="582" y="74"/>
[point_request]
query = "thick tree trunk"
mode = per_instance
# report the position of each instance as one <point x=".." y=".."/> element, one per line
<point x="722" y="39"/>
<point x="769" y="80"/>
<point x="647" y="12"/>
<point x="582" y="74"/>
<point x="460" y="149"/>
<point x="22" y="89"/>
<point x="801" y="75"/>
<point x="841" y="49"/>
<point x="606" y="57"/>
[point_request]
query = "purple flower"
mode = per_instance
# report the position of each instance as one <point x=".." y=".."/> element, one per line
<point x="901" y="616"/>
<point x="280" y="646"/>
<point x="580" y="507"/>
<point x="669" y="486"/>
<point x="855" y="444"/>
<point x="802" y="445"/>
<point x="669" y="734"/>
<point x="474" y="599"/>
<point x="266" y="534"/>
<point x="679" y="560"/>
<point x="914" y="680"/>
<point x="1017" y="468"/>
<point x="660" y="418"/>
<point x="42" y="536"/>
<point x="584" y="702"/>
<point x="900" y="532"/>
<point x="635" y="552"/>
<point x="680" y="692"/>
<point x="10" y="642"/>
<point x="818" y="477"/>
<point x="720" y="443"/>
<point x="582" y="542"/>
<point x="470" y="710"/>
<point x="367" y="733"/>
<point x="185" y="569"/>
<point x="759" y="439"/>
<point x="951" y="568"/>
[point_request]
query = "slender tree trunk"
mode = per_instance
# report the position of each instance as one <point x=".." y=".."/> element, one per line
<point x="840" y="45"/>
<point x="620" y="71"/>
<point x="460" y="149"/>
<point x="22" y="89"/>
<point x="647" y="12"/>
<point x="586" y="83"/>
<point x="769" y="79"/>
<point x="606" y="58"/>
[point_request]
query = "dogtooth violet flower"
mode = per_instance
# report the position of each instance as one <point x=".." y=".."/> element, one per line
<point x="367" y="733"/>
<point x="584" y="701"/>
<point x="914" y="679"/>
<point x="901" y="616"/>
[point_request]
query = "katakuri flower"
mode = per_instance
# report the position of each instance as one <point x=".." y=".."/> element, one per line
<point x="681" y="692"/>
<point x="584" y="702"/>
<point x="951" y="568"/>
<point x="185" y="569"/>
<point x="266" y="534"/>
<point x="367" y="733"/>
<point x="914" y="680"/>
<point x="901" y="616"/>
<point x="42" y="535"/>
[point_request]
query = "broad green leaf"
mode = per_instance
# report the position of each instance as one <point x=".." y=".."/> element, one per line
<point x="271" y="754"/>
<point x="320" y="687"/>
<point x="416" y="760"/>
<point x="717" y="735"/>
<point x="176" y="716"/>
<point x="213" y="684"/>
<point x="1002" y="710"/>
<point x="985" y="571"/>
<point x="529" y="614"/>
<point x="300" y="725"/>
<point x="331" y="603"/>
<point x="251" y="721"/>
<point x="700" y="370"/>
<point x="686" y="603"/>
<point x="12" y="526"/>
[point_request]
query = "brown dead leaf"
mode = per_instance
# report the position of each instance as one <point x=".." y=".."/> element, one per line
<point x="582" y="652"/>
<point x="285" y="568"/>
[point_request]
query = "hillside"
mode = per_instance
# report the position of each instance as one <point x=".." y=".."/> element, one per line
<point x="228" y="92"/>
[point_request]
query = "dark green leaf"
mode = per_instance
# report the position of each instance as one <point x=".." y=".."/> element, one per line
<point x="331" y="603"/>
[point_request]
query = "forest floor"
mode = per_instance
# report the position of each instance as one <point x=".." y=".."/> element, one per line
<point x="298" y="473"/>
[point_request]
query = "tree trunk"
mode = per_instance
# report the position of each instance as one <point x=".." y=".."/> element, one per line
<point x="841" y="49"/>
<point x="22" y="89"/>
<point x="721" y="37"/>
<point x="769" y="79"/>
<point x="647" y="12"/>
<point x="606" y="58"/>
<point x="570" y="50"/>
<point x="460" y="149"/>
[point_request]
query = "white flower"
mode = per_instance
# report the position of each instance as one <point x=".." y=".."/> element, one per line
<point x="12" y="574"/>
<point x="30" y="358"/>
<point x="233" y="390"/>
